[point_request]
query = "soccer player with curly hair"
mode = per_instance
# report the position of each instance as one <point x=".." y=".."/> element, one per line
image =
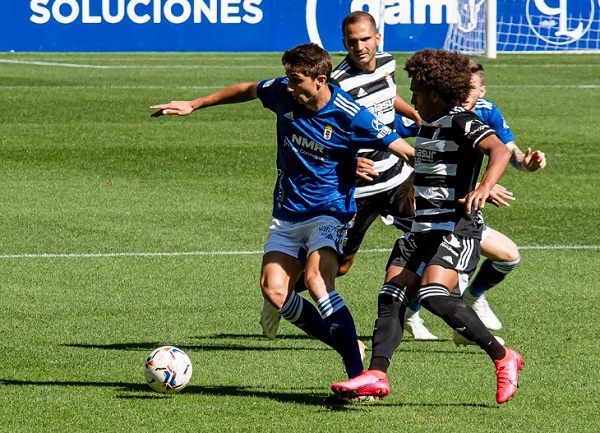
<point x="433" y="261"/>
<point x="500" y="252"/>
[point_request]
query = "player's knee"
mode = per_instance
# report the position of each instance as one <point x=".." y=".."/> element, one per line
<point x="511" y="254"/>
<point x="508" y="265"/>
<point x="500" y="248"/>
<point x="273" y="289"/>
<point x="343" y="269"/>
<point x="315" y="283"/>
<point x="345" y="264"/>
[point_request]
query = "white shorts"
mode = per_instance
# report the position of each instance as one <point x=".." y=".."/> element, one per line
<point x="484" y="232"/>
<point x="300" y="239"/>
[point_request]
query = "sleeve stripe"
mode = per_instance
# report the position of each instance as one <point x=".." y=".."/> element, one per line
<point x="349" y="107"/>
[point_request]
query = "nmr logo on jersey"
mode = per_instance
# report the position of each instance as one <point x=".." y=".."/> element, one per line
<point x="561" y="22"/>
<point x="307" y="143"/>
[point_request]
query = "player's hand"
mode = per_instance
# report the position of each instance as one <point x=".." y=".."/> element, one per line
<point x="364" y="169"/>
<point x="499" y="196"/>
<point x="475" y="200"/>
<point x="533" y="161"/>
<point x="180" y="108"/>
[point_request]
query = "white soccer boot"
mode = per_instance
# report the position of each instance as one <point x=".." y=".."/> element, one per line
<point x="269" y="320"/>
<point x="483" y="310"/>
<point x="414" y="325"/>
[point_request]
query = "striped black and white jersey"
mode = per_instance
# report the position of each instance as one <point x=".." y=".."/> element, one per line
<point x="447" y="164"/>
<point x="376" y="91"/>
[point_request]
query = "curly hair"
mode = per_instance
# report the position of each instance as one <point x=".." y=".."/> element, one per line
<point x="445" y="72"/>
<point x="308" y="59"/>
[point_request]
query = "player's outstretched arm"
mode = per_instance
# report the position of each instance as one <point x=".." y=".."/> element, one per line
<point x="403" y="150"/>
<point x="236" y="93"/>
<point x="407" y="110"/>
<point x="499" y="156"/>
<point x="528" y="161"/>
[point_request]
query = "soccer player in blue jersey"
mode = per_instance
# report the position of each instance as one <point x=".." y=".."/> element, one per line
<point x="369" y="77"/>
<point x="502" y="254"/>
<point x="433" y="261"/>
<point x="319" y="131"/>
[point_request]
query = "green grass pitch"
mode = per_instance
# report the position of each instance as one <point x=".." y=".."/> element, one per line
<point x="122" y="232"/>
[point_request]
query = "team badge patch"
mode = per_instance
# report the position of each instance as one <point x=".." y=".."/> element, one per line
<point x="328" y="132"/>
<point x="268" y="83"/>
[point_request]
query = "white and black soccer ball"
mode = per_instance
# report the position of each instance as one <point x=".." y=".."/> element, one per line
<point x="168" y="370"/>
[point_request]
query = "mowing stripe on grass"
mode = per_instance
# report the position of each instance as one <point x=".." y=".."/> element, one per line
<point x="237" y="253"/>
<point x="137" y="87"/>
<point x="108" y="87"/>
<point x="87" y="66"/>
<point x="253" y="66"/>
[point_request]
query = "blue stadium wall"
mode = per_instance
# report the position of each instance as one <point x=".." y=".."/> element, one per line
<point x="262" y="25"/>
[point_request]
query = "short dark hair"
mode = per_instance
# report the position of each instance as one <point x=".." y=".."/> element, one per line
<point x="308" y="59"/>
<point x="355" y="17"/>
<point x="445" y="72"/>
<point x="477" y="69"/>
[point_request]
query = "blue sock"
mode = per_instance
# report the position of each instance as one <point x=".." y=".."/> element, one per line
<point x="302" y="313"/>
<point x="342" y="329"/>
<point x="415" y="306"/>
<point x="490" y="273"/>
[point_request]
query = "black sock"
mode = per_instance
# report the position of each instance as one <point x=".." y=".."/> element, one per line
<point x="460" y="317"/>
<point x="389" y="326"/>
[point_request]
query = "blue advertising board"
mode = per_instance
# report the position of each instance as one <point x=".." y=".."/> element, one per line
<point x="276" y="25"/>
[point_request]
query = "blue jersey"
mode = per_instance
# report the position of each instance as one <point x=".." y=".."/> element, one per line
<point x="484" y="108"/>
<point x="490" y="114"/>
<point x="316" y="152"/>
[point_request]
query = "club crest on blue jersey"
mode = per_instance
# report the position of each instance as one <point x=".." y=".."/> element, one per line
<point x="381" y="128"/>
<point x="327" y="133"/>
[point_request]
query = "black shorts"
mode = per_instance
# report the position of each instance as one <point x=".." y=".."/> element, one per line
<point x="371" y="207"/>
<point x="416" y="251"/>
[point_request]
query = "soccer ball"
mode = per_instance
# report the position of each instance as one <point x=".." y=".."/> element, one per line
<point x="168" y="370"/>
